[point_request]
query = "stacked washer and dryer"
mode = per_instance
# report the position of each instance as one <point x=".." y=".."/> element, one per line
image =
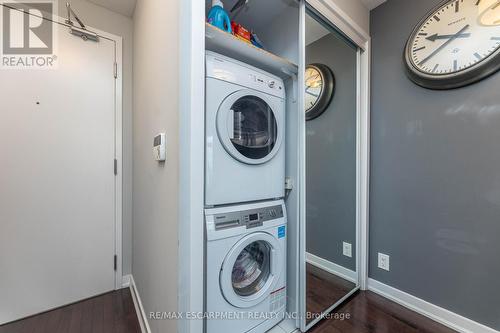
<point x="244" y="188"/>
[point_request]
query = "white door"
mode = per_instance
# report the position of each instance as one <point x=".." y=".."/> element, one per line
<point x="57" y="182"/>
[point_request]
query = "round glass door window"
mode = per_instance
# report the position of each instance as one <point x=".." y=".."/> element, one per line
<point x="252" y="269"/>
<point x="255" y="130"/>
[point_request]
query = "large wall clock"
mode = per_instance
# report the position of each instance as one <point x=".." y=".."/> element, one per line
<point x="456" y="44"/>
<point x="319" y="89"/>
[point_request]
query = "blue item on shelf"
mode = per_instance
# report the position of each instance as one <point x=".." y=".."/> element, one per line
<point x="256" y="41"/>
<point x="218" y="17"/>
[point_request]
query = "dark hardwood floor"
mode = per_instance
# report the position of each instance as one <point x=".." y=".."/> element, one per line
<point x="324" y="289"/>
<point x="370" y="313"/>
<point x="113" y="312"/>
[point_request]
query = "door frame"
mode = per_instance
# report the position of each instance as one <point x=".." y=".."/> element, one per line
<point x="118" y="207"/>
<point x="339" y="19"/>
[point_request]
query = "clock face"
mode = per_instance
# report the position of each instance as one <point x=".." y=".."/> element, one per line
<point x="314" y="87"/>
<point x="319" y="89"/>
<point x="458" y="37"/>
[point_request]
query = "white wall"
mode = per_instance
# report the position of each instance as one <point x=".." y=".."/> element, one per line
<point x="103" y="19"/>
<point x="156" y="188"/>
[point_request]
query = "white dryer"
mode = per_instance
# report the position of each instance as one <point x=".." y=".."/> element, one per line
<point x="245" y="133"/>
<point x="246" y="267"/>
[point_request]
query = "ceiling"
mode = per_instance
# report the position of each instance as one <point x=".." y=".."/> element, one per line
<point x="371" y="4"/>
<point x="314" y="30"/>
<point x="124" y="7"/>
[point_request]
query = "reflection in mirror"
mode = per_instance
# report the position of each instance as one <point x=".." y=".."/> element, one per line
<point x="331" y="246"/>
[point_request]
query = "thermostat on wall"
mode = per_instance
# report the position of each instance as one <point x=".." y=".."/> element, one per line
<point x="159" y="147"/>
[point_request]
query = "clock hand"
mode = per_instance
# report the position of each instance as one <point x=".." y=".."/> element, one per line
<point x="455" y="36"/>
<point x="312" y="94"/>
<point x="433" y="38"/>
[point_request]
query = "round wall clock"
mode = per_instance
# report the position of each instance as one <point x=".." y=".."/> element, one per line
<point x="456" y="44"/>
<point x="319" y="89"/>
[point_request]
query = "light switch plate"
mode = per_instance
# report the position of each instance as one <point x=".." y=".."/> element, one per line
<point x="160" y="147"/>
<point x="347" y="249"/>
<point x="384" y="261"/>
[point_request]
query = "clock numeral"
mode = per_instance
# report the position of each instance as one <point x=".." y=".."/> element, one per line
<point x="420" y="48"/>
<point x="457" y="6"/>
<point x="478" y="56"/>
<point x="437" y="18"/>
<point x="495" y="38"/>
<point x="455" y="65"/>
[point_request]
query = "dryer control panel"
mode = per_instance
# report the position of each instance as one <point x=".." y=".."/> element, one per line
<point x="250" y="218"/>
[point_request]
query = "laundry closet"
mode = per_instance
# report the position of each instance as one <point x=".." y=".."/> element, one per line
<point x="254" y="171"/>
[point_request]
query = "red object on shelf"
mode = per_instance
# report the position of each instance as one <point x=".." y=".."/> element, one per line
<point x="241" y="32"/>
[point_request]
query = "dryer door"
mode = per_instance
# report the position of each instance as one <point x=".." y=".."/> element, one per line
<point x="251" y="269"/>
<point x="249" y="127"/>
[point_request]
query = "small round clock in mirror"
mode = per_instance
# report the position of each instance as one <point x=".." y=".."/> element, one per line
<point x="456" y="44"/>
<point x="319" y="89"/>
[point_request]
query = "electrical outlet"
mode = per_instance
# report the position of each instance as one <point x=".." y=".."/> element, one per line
<point x="347" y="249"/>
<point x="384" y="261"/>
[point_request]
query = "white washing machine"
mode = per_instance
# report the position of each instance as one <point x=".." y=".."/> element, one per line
<point x="245" y="133"/>
<point x="246" y="267"/>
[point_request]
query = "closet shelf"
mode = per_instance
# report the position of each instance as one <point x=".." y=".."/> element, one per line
<point x="219" y="41"/>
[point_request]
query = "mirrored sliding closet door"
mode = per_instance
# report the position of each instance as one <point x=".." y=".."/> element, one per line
<point x="331" y="235"/>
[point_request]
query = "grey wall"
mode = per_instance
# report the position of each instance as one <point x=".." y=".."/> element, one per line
<point x="331" y="158"/>
<point x="435" y="181"/>
<point x="156" y="188"/>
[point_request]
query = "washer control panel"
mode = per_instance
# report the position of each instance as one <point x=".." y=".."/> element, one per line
<point x="250" y="218"/>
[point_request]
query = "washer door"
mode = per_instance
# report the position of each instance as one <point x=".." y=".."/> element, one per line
<point x="248" y="127"/>
<point x="251" y="269"/>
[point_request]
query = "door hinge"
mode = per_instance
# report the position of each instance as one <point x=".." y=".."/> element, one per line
<point x="115" y="69"/>
<point x="115" y="166"/>
<point x="115" y="261"/>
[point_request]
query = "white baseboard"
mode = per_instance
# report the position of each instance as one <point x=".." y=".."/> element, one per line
<point x="139" y="309"/>
<point x="126" y="281"/>
<point x="330" y="267"/>
<point x="434" y="312"/>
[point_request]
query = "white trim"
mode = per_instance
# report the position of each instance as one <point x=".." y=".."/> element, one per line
<point x="302" y="285"/>
<point x="360" y="37"/>
<point x="434" y="312"/>
<point x="119" y="157"/>
<point x="363" y="167"/>
<point x="126" y="280"/>
<point x="139" y="308"/>
<point x="341" y="20"/>
<point x="332" y="268"/>
<point x="191" y="153"/>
